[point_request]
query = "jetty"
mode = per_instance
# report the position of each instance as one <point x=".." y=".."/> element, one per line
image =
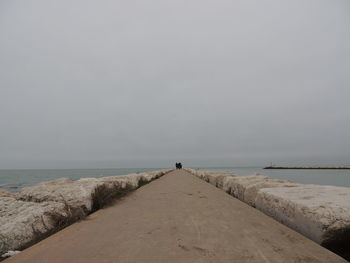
<point x="309" y="167"/>
<point x="177" y="218"/>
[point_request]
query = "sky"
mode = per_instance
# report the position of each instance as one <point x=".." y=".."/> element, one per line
<point x="108" y="84"/>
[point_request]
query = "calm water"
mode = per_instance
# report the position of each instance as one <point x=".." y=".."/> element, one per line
<point x="14" y="180"/>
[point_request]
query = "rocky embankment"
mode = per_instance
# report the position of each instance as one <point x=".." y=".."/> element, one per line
<point x="38" y="211"/>
<point x="321" y="213"/>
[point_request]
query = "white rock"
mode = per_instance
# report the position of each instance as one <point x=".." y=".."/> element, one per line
<point x="22" y="222"/>
<point x="123" y="181"/>
<point x="4" y="193"/>
<point x="133" y="180"/>
<point x="218" y="178"/>
<point x="10" y="253"/>
<point x="245" y="188"/>
<point x="318" y="212"/>
<point x="215" y="178"/>
<point x="77" y="194"/>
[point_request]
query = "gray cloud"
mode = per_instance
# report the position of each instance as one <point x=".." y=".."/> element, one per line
<point x="137" y="83"/>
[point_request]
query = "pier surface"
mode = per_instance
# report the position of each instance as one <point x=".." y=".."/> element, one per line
<point x="177" y="218"/>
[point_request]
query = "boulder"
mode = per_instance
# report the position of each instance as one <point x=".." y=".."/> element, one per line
<point x="237" y="186"/>
<point x="123" y="181"/>
<point x="218" y="178"/>
<point x="246" y="188"/>
<point x="82" y="194"/>
<point x="134" y="180"/>
<point x="215" y="178"/>
<point x="23" y="222"/>
<point x="4" y="193"/>
<point x="76" y="194"/>
<point x="10" y="253"/>
<point x="319" y="212"/>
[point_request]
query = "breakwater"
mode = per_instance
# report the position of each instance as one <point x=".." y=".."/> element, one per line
<point x="321" y="213"/>
<point x="178" y="218"/>
<point x="310" y="167"/>
<point x="41" y="210"/>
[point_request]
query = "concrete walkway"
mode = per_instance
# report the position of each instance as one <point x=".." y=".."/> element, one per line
<point x="177" y="218"/>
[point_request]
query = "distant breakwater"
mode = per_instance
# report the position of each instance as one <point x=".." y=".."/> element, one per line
<point x="38" y="211"/>
<point x="309" y="167"/>
<point x="319" y="212"/>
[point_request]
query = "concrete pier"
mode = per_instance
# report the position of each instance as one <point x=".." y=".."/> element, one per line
<point x="177" y="218"/>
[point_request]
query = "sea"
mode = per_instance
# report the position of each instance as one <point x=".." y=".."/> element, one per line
<point x="15" y="180"/>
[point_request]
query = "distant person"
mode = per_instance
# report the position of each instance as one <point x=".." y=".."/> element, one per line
<point x="178" y="166"/>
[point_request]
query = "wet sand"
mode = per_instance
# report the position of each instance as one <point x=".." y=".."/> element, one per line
<point x="177" y="218"/>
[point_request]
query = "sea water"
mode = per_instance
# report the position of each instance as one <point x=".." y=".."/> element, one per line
<point x="14" y="180"/>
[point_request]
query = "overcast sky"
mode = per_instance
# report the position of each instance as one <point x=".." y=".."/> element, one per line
<point x="137" y="83"/>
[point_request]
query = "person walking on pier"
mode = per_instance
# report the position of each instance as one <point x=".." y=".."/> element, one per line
<point x="178" y="166"/>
